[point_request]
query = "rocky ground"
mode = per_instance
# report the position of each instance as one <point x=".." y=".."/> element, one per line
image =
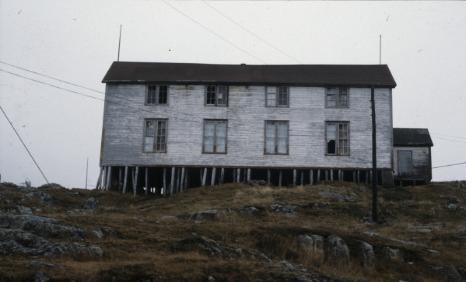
<point x="234" y="233"/>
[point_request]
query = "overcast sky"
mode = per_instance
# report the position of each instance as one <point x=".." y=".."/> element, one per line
<point x="424" y="44"/>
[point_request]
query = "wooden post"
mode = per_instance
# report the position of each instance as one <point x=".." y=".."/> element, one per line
<point x="186" y="179"/>
<point x="125" y="180"/>
<point x="340" y="175"/>
<point x="172" y="181"/>
<point x="164" y="181"/>
<point x="354" y="176"/>
<point x="104" y="178"/>
<point x="311" y="177"/>
<point x="367" y="177"/>
<point x="318" y="176"/>
<point x="294" y="177"/>
<point x="302" y="177"/>
<point x="178" y="180"/>
<point x="331" y="175"/>
<point x="204" y="176"/>
<point x="280" y="178"/>
<point x="146" y="179"/>
<point x="135" y="180"/>
<point x="120" y="178"/>
<point x="109" y="178"/>
<point x="268" y="177"/>
<point x="326" y="175"/>
<point x="249" y="175"/>
<point x="99" y="180"/>
<point x="358" y="177"/>
<point x="222" y="175"/>
<point x="182" y="181"/>
<point x="212" y="179"/>
<point x="238" y="175"/>
<point x="234" y="175"/>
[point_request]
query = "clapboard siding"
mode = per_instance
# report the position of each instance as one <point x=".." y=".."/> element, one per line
<point x="125" y="112"/>
<point x="421" y="166"/>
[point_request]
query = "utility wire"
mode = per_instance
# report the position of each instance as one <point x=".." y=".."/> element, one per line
<point x="212" y="31"/>
<point x="51" y="77"/>
<point x="24" y="144"/>
<point x="51" y="85"/>
<point x="449" y="165"/>
<point x="255" y="35"/>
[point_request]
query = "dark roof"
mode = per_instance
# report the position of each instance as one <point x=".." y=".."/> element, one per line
<point x="310" y="75"/>
<point x="411" y="137"/>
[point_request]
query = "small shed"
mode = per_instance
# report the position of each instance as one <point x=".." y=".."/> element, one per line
<point x="412" y="159"/>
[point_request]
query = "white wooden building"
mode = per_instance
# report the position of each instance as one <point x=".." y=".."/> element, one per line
<point x="177" y="125"/>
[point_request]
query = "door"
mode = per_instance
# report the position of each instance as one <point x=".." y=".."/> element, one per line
<point x="405" y="162"/>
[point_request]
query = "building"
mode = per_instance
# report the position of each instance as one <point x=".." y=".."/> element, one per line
<point x="412" y="159"/>
<point x="178" y="125"/>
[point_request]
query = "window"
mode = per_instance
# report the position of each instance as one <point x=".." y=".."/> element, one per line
<point x="155" y="135"/>
<point x="216" y="95"/>
<point x="276" y="137"/>
<point x="336" y="97"/>
<point x="337" y="138"/>
<point x="215" y="137"/>
<point x="157" y="95"/>
<point x="276" y="96"/>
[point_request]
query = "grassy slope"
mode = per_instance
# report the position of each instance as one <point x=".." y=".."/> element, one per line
<point x="145" y="233"/>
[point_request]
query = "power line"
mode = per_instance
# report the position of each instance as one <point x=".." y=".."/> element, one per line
<point x="449" y="165"/>
<point x="213" y="32"/>
<point x="51" y="77"/>
<point x="24" y="144"/>
<point x="250" y="32"/>
<point x="51" y="85"/>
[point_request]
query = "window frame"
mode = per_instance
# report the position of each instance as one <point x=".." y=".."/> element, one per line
<point x="215" y="139"/>
<point x="157" y="95"/>
<point x="217" y="86"/>
<point x="337" y="138"/>
<point x="277" y="91"/>
<point x="338" y="100"/>
<point x="154" y="143"/>
<point x="276" y="138"/>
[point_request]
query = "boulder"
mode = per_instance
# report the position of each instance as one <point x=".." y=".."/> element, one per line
<point x="283" y="208"/>
<point x="250" y="211"/>
<point x="392" y="254"/>
<point x="367" y="254"/>
<point x="90" y="204"/>
<point x="206" y="215"/>
<point x="311" y="245"/>
<point x="337" y="251"/>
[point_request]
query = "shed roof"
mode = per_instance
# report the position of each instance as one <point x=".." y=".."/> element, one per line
<point x="309" y="75"/>
<point x="411" y="137"/>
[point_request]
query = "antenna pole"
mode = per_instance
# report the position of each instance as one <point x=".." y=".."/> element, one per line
<point x="380" y="49"/>
<point x="87" y="169"/>
<point x="119" y="44"/>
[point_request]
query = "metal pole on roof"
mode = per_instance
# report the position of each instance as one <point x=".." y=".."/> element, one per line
<point x="380" y="49"/>
<point x="119" y="44"/>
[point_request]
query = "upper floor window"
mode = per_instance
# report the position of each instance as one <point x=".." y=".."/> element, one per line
<point x="276" y="137"/>
<point x="216" y="95"/>
<point x="215" y="136"/>
<point x="157" y="95"/>
<point x="337" y="138"/>
<point x="155" y="135"/>
<point x="336" y="97"/>
<point x="277" y="96"/>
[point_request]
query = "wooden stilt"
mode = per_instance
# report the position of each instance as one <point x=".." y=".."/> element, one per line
<point x="178" y="180"/>
<point x="222" y="175"/>
<point x="294" y="177"/>
<point x="331" y="175"/>
<point x="238" y="175"/>
<point x="212" y="180"/>
<point x="99" y="180"/>
<point x="234" y="175"/>
<point x="340" y="175"/>
<point x="164" y="180"/>
<point x="125" y="180"/>
<point x="172" y="181"/>
<point x="135" y="180"/>
<point x="104" y="178"/>
<point x="204" y="176"/>
<point x="354" y="176"/>
<point x="249" y="175"/>
<point x="371" y="176"/>
<point x="318" y="176"/>
<point x="186" y="179"/>
<point x="120" y="178"/>
<point x="146" y="179"/>
<point x="302" y="178"/>
<point x="311" y="177"/>
<point x="367" y="177"/>
<point x="182" y="181"/>
<point x="268" y="176"/>
<point x="326" y="175"/>
<point x="280" y="178"/>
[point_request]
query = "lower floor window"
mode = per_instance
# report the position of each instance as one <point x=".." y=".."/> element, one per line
<point x="337" y="138"/>
<point x="276" y="137"/>
<point x="155" y="135"/>
<point x="215" y="137"/>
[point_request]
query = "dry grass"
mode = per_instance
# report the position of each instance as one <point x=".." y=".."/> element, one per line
<point x="140" y="246"/>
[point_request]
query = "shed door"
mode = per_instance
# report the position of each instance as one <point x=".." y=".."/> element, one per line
<point x="405" y="162"/>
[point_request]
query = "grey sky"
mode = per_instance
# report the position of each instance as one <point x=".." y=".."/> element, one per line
<point x="424" y="44"/>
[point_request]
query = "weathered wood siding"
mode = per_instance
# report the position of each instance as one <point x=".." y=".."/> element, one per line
<point x="125" y="112"/>
<point x="422" y="163"/>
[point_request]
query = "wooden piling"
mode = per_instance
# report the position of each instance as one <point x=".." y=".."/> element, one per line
<point x="172" y="181"/>
<point x="311" y="177"/>
<point x="164" y="181"/>
<point x="331" y="175"/>
<point x="135" y="180"/>
<point x="302" y="178"/>
<point x="146" y="179"/>
<point x="248" y="175"/>
<point x="204" y="176"/>
<point x="238" y="175"/>
<point x="99" y="180"/>
<point x="182" y="181"/>
<point x="340" y="175"/>
<point x="280" y="178"/>
<point x="268" y="176"/>
<point x="318" y="176"/>
<point x="212" y="180"/>
<point x="125" y="180"/>
<point x="294" y="177"/>
<point x="222" y="175"/>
